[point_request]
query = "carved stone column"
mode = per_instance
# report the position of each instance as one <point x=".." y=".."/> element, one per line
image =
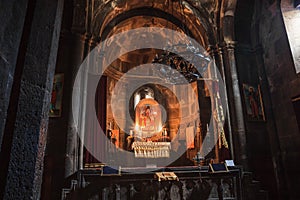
<point x="213" y="75"/>
<point x="216" y="53"/>
<point x="80" y="44"/>
<point x="228" y="118"/>
<point x="235" y="106"/>
<point x="74" y="149"/>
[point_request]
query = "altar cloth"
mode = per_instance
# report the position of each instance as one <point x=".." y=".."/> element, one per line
<point x="151" y="149"/>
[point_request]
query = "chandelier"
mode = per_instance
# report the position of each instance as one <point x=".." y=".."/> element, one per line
<point x="181" y="58"/>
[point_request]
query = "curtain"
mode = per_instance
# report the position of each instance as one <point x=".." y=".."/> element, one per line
<point x="91" y="126"/>
<point x="190" y="135"/>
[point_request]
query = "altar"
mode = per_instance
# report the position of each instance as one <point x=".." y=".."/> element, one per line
<point x="151" y="149"/>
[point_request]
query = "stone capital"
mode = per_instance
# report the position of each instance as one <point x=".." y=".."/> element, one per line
<point x="230" y="45"/>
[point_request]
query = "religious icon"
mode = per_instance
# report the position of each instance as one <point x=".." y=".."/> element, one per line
<point x="148" y="118"/>
<point x="253" y="102"/>
<point x="56" y="96"/>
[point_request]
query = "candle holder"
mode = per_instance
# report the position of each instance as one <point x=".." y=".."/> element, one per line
<point x="199" y="159"/>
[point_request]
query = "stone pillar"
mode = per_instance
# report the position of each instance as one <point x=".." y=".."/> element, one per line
<point x="213" y="75"/>
<point x="235" y="106"/>
<point x="22" y="161"/>
<point x="77" y="45"/>
<point x="73" y="157"/>
<point x="227" y="114"/>
<point x="11" y="32"/>
<point x="63" y="140"/>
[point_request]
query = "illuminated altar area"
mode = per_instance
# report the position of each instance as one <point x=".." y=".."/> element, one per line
<point x="161" y="124"/>
<point x="149" y="130"/>
<point x="162" y="121"/>
<point x="154" y="105"/>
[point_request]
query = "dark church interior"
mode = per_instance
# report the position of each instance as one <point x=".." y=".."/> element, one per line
<point x="153" y="99"/>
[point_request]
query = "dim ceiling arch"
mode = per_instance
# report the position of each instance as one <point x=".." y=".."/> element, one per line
<point x="181" y="14"/>
<point x="142" y="12"/>
<point x="210" y="22"/>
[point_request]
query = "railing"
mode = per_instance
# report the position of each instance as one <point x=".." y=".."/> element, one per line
<point x="193" y="183"/>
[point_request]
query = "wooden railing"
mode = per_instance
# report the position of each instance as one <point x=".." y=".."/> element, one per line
<point x="192" y="183"/>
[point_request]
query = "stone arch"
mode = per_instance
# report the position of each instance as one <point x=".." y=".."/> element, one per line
<point x="197" y="19"/>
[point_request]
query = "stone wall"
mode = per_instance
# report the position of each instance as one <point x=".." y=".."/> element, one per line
<point x="11" y="32"/>
<point x="284" y="84"/>
<point x="264" y="58"/>
<point x="29" y="63"/>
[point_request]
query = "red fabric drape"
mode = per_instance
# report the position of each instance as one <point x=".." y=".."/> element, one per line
<point x="99" y="103"/>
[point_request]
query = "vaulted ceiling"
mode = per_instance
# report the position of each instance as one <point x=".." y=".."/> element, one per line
<point x="209" y="22"/>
